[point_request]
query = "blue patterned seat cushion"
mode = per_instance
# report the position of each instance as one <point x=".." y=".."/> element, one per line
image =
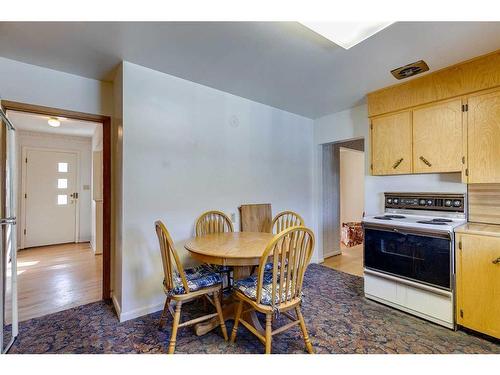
<point x="197" y="278"/>
<point x="269" y="266"/>
<point x="248" y="287"/>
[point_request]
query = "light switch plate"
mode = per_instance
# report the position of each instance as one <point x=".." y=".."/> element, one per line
<point x="86" y="187"/>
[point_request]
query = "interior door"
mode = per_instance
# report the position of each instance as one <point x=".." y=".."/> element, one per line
<point x="437" y="138"/>
<point x="483" y="121"/>
<point x="50" y="199"/>
<point x="392" y="144"/>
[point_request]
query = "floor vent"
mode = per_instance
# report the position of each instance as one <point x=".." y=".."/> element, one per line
<point x="410" y="70"/>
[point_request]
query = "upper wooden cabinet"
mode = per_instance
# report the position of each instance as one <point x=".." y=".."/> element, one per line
<point x="445" y="121"/>
<point x="391" y="144"/>
<point x="478" y="283"/>
<point x="483" y="139"/>
<point x="480" y="73"/>
<point x="437" y="138"/>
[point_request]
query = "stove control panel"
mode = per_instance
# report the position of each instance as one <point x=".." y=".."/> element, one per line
<point x="426" y="201"/>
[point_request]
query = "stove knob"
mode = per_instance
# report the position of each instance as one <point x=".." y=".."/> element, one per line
<point x="421" y="202"/>
<point x="457" y="203"/>
<point x="447" y="203"/>
<point x="389" y="200"/>
<point x="395" y="201"/>
<point x="429" y="202"/>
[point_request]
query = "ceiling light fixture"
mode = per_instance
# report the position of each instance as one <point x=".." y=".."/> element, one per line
<point x="346" y="34"/>
<point x="55" y="123"/>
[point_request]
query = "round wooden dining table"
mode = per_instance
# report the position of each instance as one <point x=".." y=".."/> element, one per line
<point x="240" y="250"/>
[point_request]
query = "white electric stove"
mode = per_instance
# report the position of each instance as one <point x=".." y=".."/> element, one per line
<point x="409" y="260"/>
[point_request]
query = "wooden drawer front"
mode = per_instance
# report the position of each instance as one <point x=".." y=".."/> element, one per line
<point x="437" y="138"/>
<point x="391" y="144"/>
<point x="478" y="283"/>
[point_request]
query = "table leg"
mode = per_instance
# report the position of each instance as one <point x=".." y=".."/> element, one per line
<point x="229" y="310"/>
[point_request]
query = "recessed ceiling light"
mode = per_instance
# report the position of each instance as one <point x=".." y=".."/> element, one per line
<point x="346" y="34"/>
<point x="55" y="123"/>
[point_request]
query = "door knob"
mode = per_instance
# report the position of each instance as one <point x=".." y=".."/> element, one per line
<point x="496" y="261"/>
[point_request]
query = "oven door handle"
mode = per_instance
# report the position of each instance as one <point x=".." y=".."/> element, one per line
<point x="409" y="231"/>
<point x="400" y="232"/>
<point x="401" y="255"/>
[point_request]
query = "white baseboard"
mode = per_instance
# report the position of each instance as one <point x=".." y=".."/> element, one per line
<point x="117" y="306"/>
<point x="331" y="254"/>
<point x="141" y="311"/>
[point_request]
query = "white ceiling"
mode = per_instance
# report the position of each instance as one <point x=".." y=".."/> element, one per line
<point x="38" y="123"/>
<point x="282" y="64"/>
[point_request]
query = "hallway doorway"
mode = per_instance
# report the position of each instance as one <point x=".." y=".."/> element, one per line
<point x="63" y="209"/>
<point x="343" y="205"/>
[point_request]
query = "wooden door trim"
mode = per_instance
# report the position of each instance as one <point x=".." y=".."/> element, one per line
<point x="106" y="153"/>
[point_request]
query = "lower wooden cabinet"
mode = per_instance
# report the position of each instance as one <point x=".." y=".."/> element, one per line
<point x="478" y="283"/>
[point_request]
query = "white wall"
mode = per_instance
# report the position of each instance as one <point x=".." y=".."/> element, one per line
<point x="33" y="84"/>
<point x="353" y="123"/>
<point x="188" y="148"/>
<point x="61" y="142"/>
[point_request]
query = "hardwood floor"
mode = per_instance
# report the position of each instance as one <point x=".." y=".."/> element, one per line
<point x="56" y="278"/>
<point x="350" y="261"/>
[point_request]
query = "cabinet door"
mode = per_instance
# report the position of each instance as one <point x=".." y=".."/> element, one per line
<point x="437" y="138"/>
<point x="391" y="144"/>
<point x="483" y="122"/>
<point x="478" y="283"/>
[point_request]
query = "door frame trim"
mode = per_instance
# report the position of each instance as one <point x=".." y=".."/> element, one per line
<point x="24" y="170"/>
<point x="107" y="173"/>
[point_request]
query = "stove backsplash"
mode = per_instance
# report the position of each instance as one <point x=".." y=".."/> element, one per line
<point x="484" y="203"/>
<point x="376" y="186"/>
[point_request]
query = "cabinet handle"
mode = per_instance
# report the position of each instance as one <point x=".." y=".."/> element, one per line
<point x="426" y="162"/>
<point x="496" y="261"/>
<point x="396" y="164"/>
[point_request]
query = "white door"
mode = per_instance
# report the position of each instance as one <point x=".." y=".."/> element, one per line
<point x="50" y="200"/>
<point x="352" y="185"/>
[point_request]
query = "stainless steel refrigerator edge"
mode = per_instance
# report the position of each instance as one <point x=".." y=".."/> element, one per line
<point x="8" y="234"/>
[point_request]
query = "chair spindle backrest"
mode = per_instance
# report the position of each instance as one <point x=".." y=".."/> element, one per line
<point x="169" y="257"/>
<point x="285" y="220"/>
<point x="290" y="251"/>
<point x="213" y="222"/>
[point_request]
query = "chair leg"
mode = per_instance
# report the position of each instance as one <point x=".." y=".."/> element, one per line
<point x="164" y="313"/>
<point x="175" y="326"/>
<point x="221" y="316"/>
<point x="304" y="330"/>
<point x="236" y="321"/>
<point x="269" y="328"/>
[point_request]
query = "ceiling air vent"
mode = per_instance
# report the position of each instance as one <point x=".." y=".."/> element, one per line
<point x="410" y="70"/>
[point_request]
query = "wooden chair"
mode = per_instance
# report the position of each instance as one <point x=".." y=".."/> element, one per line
<point x="280" y="289"/>
<point x="285" y="220"/>
<point x="213" y="222"/>
<point x="216" y="222"/>
<point x="184" y="285"/>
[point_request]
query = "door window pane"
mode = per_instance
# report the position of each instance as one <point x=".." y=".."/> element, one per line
<point x="62" y="183"/>
<point x="62" y="199"/>
<point x="62" y="167"/>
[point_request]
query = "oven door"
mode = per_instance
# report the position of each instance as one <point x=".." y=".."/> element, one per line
<point x="411" y="254"/>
